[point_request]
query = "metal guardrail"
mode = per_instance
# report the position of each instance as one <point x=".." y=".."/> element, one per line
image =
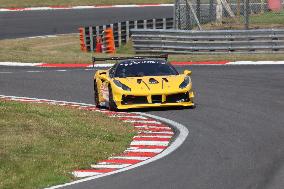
<point x="214" y="41"/>
<point x="121" y="30"/>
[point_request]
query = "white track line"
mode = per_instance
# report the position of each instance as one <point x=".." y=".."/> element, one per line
<point x="19" y="64"/>
<point x="256" y="63"/>
<point x="153" y="127"/>
<point x="150" y="143"/>
<point x="130" y="158"/>
<point x="147" y="136"/>
<point x="141" y="121"/>
<point x="34" y="71"/>
<point x="81" y="174"/>
<point x="82" y="7"/>
<point x="110" y="166"/>
<point x="6" y="72"/>
<point x="144" y="150"/>
<point x="156" y="132"/>
<point x="129" y="117"/>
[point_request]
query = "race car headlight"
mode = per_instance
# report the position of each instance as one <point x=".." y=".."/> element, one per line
<point x="121" y="85"/>
<point x="185" y="82"/>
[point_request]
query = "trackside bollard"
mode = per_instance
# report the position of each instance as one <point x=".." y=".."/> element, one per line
<point x="82" y="39"/>
<point x="99" y="44"/>
<point x="108" y="41"/>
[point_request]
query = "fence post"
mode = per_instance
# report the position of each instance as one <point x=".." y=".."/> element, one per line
<point x="219" y="12"/>
<point x="104" y="45"/>
<point x="119" y="33"/>
<point x="262" y="6"/>
<point x="238" y="8"/>
<point x="211" y="9"/>
<point x="154" y="23"/>
<point x="246" y="14"/>
<point x="91" y="38"/>
<point x="135" y="24"/>
<point x="145" y="24"/>
<point x="164" y="23"/>
<point x="97" y="31"/>
<point x="198" y="9"/>
<point x="127" y="31"/>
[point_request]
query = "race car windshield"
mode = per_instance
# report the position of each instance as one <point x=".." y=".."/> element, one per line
<point x="140" y="68"/>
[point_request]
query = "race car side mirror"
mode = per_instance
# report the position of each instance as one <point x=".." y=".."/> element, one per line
<point x="187" y="72"/>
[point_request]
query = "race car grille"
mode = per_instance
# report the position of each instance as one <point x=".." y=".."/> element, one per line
<point x="130" y="99"/>
<point x="156" y="98"/>
<point x="180" y="97"/>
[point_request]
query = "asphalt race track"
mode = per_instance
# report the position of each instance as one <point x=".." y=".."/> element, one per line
<point x="34" y="23"/>
<point x="236" y="133"/>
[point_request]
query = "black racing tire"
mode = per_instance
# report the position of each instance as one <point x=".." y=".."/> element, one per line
<point x="96" y="95"/>
<point x="192" y="107"/>
<point x="112" y="105"/>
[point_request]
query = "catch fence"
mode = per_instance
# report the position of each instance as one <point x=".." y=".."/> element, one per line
<point x="192" y="14"/>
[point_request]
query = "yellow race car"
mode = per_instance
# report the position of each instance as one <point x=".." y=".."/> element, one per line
<point x="141" y="82"/>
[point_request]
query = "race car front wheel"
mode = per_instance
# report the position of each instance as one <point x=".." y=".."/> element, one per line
<point x="96" y="95"/>
<point x="112" y="105"/>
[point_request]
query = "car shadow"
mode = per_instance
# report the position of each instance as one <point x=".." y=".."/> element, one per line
<point x="159" y="109"/>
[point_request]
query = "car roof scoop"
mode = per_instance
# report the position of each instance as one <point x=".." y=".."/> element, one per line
<point x="139" y="81"/>
<point x="153" y="81"/>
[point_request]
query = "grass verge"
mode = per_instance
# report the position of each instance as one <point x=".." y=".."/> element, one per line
<point x="41" y="144"/>
<point x="66" y="49"/>
<point x="256" y="21"/>
<point x="39" y="3"/>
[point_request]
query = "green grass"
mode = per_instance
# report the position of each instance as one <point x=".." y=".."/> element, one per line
<point x="256" y="21"/>
<point x="56" y="50"/>
<point x="268" y="18"/>
<point x="37" y="3"/>
<point x="66" y="49"/>
<point x="40" y="145"/>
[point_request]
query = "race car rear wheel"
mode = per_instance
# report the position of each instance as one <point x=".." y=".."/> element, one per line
<point x="96" y="95"/>
<point x="112" y="105"/>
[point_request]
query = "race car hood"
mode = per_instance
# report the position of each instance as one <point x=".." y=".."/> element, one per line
<point x="153" y="84"/>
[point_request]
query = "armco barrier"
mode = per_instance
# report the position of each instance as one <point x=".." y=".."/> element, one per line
<point x="217" y="41"/>
<point x="121" y="30"/>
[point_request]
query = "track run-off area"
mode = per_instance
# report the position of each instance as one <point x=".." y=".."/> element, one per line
<point x="235" y="135"/>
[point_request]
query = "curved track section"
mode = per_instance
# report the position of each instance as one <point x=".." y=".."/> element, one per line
<point x="236" y="133"/>
<point x="49" y="22"/>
